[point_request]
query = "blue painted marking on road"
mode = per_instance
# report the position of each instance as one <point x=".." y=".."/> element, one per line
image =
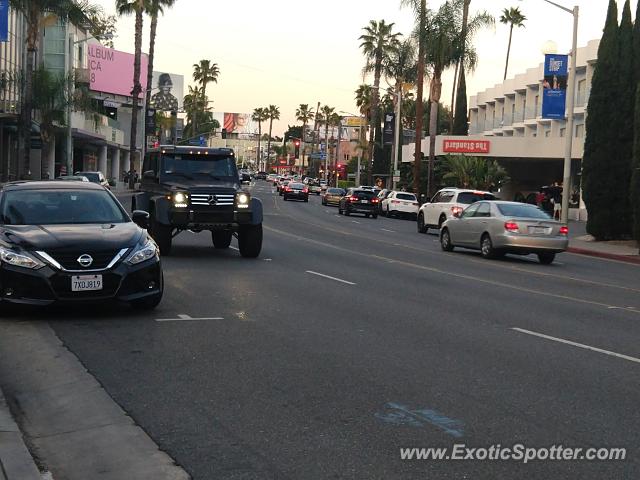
<point x="402" y="415"/>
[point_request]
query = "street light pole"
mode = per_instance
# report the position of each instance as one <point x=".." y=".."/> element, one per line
<point x="396" y="141"/>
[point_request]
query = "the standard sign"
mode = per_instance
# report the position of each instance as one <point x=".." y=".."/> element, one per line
<point x="466" y="146"/>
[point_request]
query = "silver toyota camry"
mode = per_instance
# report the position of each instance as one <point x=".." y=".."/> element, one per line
<point x="496" y="228"/>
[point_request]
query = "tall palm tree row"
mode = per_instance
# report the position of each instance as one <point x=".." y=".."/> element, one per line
<point x="325" y="118"/>
<point x="273" y="113"/>
<point x="419" y="8"/>
<point x="377" y="42"/>
<point x="154" y="9"/>
<point x="259" y="115"/>
<point x="514" y="18"/>
<point x="304" y="114"/>
<point x="74" y="11"/>
<point x="137" y="8"/>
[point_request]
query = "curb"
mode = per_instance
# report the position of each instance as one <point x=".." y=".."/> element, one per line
<point x="634" y="259"/>
<point x="16" y="462"/>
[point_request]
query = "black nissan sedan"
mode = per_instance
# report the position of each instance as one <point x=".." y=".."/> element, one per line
<point x="74" y="242"/>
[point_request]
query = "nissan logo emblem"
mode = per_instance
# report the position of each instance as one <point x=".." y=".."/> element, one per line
<point x="85" y="260"/>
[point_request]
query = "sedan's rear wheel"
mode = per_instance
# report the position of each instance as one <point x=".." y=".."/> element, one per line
<point x="546" y="258"/>
<point x="445" y="241"/>
<point x="486" y="247"/>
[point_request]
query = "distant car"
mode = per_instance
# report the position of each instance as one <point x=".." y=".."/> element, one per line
<point x="445" y="204"/>
<point x="297" y="191"/>
<point x="400" y="203"/>
<point x="73" y="178"/>
<point x="261" y="176"/>
<point x="282" y="185"/>
<point x="359" y="201"/>
<point x="323" y="186"/>
<point x="73" y="242"/>
<point x="245" y="177"/>
<point x="497" y="227"/>
<point x="95" y="177"/>
<point x="332" y="196"/>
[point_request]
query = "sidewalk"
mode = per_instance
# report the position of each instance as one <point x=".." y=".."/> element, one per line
<point x="582" y="243"/>
<point x="15" y="460"/>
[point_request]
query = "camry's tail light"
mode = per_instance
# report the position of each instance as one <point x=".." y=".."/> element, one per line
<point x="456" y="210"/>
<point x="564" y="230"/>
<point x="511" y="226"/>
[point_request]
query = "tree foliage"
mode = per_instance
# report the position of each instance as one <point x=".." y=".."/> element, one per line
<point x="473" y="172"/>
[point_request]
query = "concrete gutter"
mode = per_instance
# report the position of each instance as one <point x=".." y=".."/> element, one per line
<point x="15" y="460"/>
<point x="634" y="259"/>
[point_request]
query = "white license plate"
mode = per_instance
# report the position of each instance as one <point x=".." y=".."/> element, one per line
<point x="86" y="283"/>
<point x="364" y="201"/>
<point x="538" y="230"/>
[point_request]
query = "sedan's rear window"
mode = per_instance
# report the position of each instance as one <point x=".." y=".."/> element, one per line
<point x="523" y="210"/>
<point x="55" y="207"/>
<point x="364" y="194"/>
<point x="471" y="197"/>
<point x="335" y="191"/>
<point x="297" y="186"/>
<point x="406" y="196"/>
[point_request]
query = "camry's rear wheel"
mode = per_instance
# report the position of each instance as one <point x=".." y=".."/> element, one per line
<point x="546" y="258"/>
<point x="250" y="240"/>
<point x="486" y="247"/>
<point x="445" y="241"/>
<point x="162" y="234"/>
<point x="221" y="239"/>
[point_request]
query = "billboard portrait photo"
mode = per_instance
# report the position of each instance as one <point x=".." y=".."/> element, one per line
<point x="167" y="91"/>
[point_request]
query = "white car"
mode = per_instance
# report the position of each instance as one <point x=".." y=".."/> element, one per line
<point x="400" y="203"/>
<point x="447" y="203"/>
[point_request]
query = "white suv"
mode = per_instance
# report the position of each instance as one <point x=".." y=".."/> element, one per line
<point x="445" y="204"/>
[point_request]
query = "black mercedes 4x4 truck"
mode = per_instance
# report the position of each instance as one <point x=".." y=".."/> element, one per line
<point x="196" y="189"/>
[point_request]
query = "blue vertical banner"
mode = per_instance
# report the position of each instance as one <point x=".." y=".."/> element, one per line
<point x="4" y="20"/>
<point x="554" y="92"/>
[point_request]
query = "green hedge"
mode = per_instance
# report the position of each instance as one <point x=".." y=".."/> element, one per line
<point x="346" y="184"/>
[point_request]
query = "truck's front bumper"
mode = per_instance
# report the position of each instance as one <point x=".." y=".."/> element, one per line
<point x="186" y="219"/>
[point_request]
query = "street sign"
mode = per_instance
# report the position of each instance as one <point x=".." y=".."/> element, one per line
<point x="318" y="156"/>
<point x="203" y="141"/>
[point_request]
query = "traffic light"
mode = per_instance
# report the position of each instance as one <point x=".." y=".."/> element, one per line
<point x="296" y="143"/>
<point x="224" y="133"/>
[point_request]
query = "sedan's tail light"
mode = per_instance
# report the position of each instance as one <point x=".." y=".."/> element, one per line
<point x="287" y="189"/>
<point x="305" y="190"/>
<point x="511" y="226"/>
<point x="456" y="210"/>
<point x="375" y="200"/>
<point x="564" y="230"/>
<point x="353" y="198"/>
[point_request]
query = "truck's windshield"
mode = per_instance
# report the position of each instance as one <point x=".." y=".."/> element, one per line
<point x="192" y="166"/>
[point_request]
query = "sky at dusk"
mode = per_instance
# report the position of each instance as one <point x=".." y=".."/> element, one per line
<point x="287" y="52"/>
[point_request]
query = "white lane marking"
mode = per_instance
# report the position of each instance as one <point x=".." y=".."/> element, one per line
<point x="186" y="318"/>
<point x="329" y="277"/>
<point x="354" y="221"/>
<point x="579" y="345"/>
<point x="234" y="248"/>
<point x="387" y="230"/>
<point x="336" y="215"/>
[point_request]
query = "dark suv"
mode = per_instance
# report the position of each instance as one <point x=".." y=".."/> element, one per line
<point x="359" y="201"/>
<point x="197" y="188"/>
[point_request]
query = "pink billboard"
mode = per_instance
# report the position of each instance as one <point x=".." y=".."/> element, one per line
<point x="111" y="71"/>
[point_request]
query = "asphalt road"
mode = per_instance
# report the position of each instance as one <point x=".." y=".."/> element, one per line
<point x="350" y="338"/>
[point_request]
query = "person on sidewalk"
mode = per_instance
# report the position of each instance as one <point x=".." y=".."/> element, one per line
<point x="556" y="199"/>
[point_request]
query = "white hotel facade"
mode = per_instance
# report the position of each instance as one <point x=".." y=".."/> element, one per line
<point x="505" y="123"/>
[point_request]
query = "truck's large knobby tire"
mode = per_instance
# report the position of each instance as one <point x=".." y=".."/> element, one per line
<point x="221" y="239"/>
<point x="161" y="234"/>
<point x="250" y="240"/>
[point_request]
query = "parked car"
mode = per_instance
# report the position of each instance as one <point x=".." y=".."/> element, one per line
<point x="359" y="201"/>
<point x="297" y="191"/>
<point x="332" y="196"/>
<point x="496" y="228"/>
<point x="445" y="204"/>
<point x="73" y="178"/>
<point x="401" y="203"/>
<point x="95" y="177"/>
<point x="73" y="242"/>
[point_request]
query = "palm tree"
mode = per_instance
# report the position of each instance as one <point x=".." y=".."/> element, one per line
<point x="514" y="17"/>
<point x="377" y="42"/>
<point x="273" y="113"/>
<point x="205" y="72"/>
<point x="136" y="7"/>
<point x="259" y="115"/>
<point x="324" y="117"/>
<point x="304" y="114"/>
<point x="195" y="105"/>
<point x="154" y="9"/>
<point x="420" y="10"/>
<point x="74" y="11"/>
<point x="474" y="172"/>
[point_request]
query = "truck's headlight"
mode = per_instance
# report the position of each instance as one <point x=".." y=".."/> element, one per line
<point x="180" y="200"/>
<point x="19" y="260"/>
<point x="242" y="199"/>
<point x="143" y="252"/>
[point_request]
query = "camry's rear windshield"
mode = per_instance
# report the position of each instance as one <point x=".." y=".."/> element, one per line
<point x="55" y="207"/>
<point x="472" y="197"/>
<point x="197" y="166"/>
<point x="523" y="210"/>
